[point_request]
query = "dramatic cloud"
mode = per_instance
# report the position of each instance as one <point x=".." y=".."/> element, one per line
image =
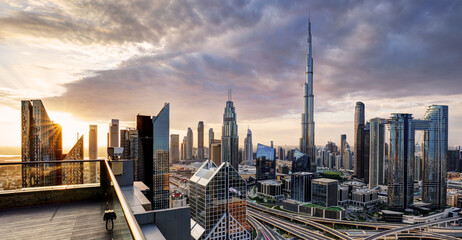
<point x="190" y="52"/>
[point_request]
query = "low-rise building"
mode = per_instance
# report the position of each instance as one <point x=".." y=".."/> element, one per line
<point x="324" y="192"/>
<point x="450" y="212"/>
<point x="270" y="188"/>
<point x="324" y="212"/>
<point x="364" y="197"/>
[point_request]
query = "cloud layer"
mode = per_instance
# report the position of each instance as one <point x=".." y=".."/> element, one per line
<point x="196" y="50"/>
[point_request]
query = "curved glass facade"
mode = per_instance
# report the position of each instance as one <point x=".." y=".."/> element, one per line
<point x="435" y="150"/>
<point x="266" y="162"/>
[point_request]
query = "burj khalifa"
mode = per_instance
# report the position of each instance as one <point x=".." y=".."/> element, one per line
<point x="307" y="140"/>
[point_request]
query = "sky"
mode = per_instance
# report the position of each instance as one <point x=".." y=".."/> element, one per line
<point x="90" y="61"/>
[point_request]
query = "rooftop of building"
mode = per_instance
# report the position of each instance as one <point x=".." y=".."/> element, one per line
<point x="271" y="182"/>
<point x="79" y="220"/>
<point x="324" y="180"/>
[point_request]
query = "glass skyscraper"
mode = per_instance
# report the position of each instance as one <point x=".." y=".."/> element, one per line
<point x="248" y="148"/>
<point x="41" y="140"/>
<point x="265" y="163"/>
<point x="307" y="139"/>
<point x="161" y="134"/>
<point x="435" y="150"/>
<point x="230" y="138"/>
<point x="218" y="203"/>
<point x="377" y="153"/>
<point x="302" y="163"/>
<point x="200" y="141"/>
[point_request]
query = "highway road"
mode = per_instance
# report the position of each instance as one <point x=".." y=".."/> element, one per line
<point x="264" y="233"/>
<point x="410" y="227"/>
<point x="326" y="220"/>
<point x="306" y="222"/>
<point x="287" y="226"/>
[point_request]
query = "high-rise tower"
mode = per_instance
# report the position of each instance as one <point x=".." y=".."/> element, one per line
<point x="359" y="135"/>
<point x="229" y="137"/>
<point x="200" y="140"/>
<point x="248" y="148"/>
<point x="307" y="140"/>
<point x="435" y="148"/>
<point x="161" y="134"/>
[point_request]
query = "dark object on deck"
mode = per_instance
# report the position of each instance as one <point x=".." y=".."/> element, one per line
<point x="109" y="217"/>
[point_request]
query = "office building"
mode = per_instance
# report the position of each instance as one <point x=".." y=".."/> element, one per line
<point x="347" y="158"/>
<point x="125" y="143"/>
<point x="300" y="186"/>
<point x="401" y="163"/>
<point x="113" y="135"/>
<point x="230" y="138"/>
<point x="270" y="188"/>
<point x="324" y="192"/>
<point x="307" y="145"/>
<point x="343" y="144"/>
<point x="211" y="137"/>
<point x="72" y="173"/>
<point x="41" y="140"/>
<point x="145" y="152"/>
<point x="282" y="154"/>
<point x="93" y="142"/>
<point x="377" y="153"/>
<point x="161" y="134"/>
<point x="217" y="197"/>
<point x="454" y="161"/>
<point x="302" y="163"/>
<point x="215" y="151"/>
<point x="360" y="137"/>
<point x="184" y="145"/>
<point x="200" y="141"/>
<point x="434" y="155"/>
<point x="418" y="168"/>
<point x="265" y="163"/>
<point x="248" y="148"/>
<point x="174" y="149"/>
<point x="189" y="144"/>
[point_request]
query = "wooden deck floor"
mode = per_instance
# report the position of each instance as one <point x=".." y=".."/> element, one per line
<point x="81" y="220"/>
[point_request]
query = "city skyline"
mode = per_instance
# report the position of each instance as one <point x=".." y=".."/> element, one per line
<point x="340" y="38"/>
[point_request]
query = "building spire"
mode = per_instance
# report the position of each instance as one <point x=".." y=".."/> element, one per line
<point x="230" y="94"/>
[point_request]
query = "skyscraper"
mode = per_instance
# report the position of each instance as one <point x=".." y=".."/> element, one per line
<point x="307" y="140"/>
<point x="211" y="137"/>
<point x="342" y="149"/>
<point x="200" y="140"/>
<point x="189" y="144"/>
<point x="41" y="140"/>
<point x="72" y="173"/>
<point x="282" y="153"/>
<point x="248" y="148"/>
<point x="377" y="153"/>
<point x="215" y="152"/>
<point x="174" y="148"/>
<point x="435" y="147"/>
<point x="161" y="134"/>
<point x="113" y="135"/>
<point x="93" y="142"/>
<point x="265" y="163"/>
<point x="145" y="151"/>
<point x="218" y="203"/>
<point x="302" y="163"/>
<point x="229" y="136"/>
<point x="184" y="145"/>
<point x="401" y="161"/>
<point x="358" y="134"/>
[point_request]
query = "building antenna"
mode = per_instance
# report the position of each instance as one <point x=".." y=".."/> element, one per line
<point x="230" y="94"/>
